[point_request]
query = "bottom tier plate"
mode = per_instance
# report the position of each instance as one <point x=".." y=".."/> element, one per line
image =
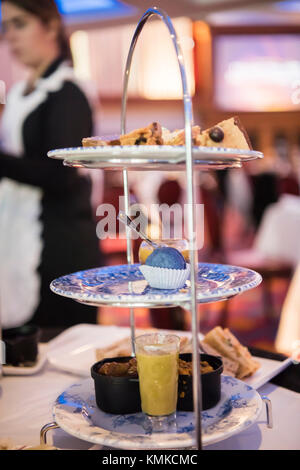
<point x="76" y="412"/>
<point x="125" y="286"/>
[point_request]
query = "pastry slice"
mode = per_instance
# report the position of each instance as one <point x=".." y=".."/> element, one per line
<point x="93" y="142"/>
<point x="178" y="137"/>
<point x="228" y="346"/>
<point x="229" y="133"/>
<point x="150" y="135"/>
<point x="99" y="141"/>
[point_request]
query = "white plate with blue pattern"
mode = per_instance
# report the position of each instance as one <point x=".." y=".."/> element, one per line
<point x="76" y="412"/>
<point x="125" y="286"/>
<point x="150" y="157"/>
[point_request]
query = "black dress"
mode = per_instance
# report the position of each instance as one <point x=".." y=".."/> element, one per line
<point x="61" y="118"/>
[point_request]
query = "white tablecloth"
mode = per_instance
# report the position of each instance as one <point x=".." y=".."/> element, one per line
<point x="278" y="236"/>
<point x="26" y="406"/>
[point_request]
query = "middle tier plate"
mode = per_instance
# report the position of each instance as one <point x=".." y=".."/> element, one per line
<point x="125" y="286"/>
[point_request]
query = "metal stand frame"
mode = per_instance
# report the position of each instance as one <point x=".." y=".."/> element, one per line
<point x="188" y="117"/>
<point x="189" y="170"/>
<point x="44" y="431"/>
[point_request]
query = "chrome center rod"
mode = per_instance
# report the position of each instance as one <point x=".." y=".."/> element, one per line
<point x="188" y="117"/>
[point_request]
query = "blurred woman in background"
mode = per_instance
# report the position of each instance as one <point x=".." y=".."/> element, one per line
<point x="47" y="227"/>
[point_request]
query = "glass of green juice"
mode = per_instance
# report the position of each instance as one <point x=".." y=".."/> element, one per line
<point x="157" y="357"/>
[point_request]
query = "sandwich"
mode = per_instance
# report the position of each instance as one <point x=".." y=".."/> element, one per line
<point x="223" y="343"/>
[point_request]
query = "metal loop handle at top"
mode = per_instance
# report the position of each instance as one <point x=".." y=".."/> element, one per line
<point x="188" y="118"/>
<point x="188" y="115"/>
<point x="188" y="109"/>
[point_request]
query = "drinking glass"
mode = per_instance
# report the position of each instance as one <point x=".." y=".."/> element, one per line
<point x="157" y="361"/>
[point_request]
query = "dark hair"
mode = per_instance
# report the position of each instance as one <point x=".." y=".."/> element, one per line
<point x="46" y="11"/>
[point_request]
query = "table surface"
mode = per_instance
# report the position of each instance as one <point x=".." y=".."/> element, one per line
<point x="26" y="406"/>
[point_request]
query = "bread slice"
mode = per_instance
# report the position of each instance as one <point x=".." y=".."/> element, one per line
<point x="227" y="345"/>
<point x="229" y="134"/>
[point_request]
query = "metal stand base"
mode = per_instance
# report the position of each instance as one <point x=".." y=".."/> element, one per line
<point x="44" y="431"/>
<point x="269" y="411"/>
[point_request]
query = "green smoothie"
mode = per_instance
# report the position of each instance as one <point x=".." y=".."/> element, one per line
<point x="158" y="379"/>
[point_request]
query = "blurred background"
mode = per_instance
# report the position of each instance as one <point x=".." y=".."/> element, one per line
<point x="242" y="58"/>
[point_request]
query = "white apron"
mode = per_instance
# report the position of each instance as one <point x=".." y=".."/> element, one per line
<point x="21" y="229"/>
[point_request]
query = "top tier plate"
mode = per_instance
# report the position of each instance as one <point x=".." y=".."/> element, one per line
<point x="153" y="157"/>
<point x="125" y="286"/>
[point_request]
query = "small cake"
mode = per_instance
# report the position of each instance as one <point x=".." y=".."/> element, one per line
<point x="166" y="257"/>
<point x="229" y="133"/>
<point x="166" y="268"/>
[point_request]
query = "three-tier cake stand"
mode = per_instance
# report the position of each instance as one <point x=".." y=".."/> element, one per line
<point x="208" y="283"/>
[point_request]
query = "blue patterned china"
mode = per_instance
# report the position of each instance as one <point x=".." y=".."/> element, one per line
<point x="76" y="412"/>
<point x="125" y="286"/>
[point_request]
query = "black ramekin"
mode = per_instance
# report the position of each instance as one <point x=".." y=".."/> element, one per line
<point x="117" y="395"/>
<point x="211" y="384"/>
<point x="121" y="395"/>
<point x="21" y="345"/>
